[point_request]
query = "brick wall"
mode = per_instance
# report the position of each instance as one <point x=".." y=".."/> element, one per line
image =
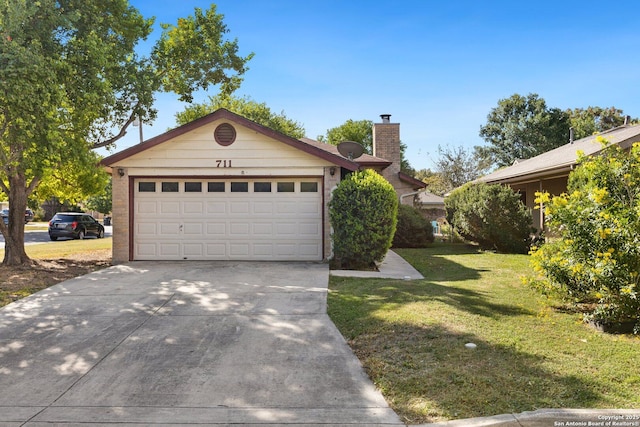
<point x="330" y="183"/>
<point x="120" y="220"/>
<point x="386" y="145"/>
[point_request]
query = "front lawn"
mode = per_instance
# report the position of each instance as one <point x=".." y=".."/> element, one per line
<point x="52" y="263"/>
<point x="411" y="336"/>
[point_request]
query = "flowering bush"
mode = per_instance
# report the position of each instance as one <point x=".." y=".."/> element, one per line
<point x="596" y="255"/>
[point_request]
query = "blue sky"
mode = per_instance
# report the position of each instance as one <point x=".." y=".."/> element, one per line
<point x="437" y="67"/>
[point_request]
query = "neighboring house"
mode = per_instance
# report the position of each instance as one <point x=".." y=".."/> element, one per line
<point x="550" y="171"/>
<point x="431" y="206"/>
<point x="223" y="187"/>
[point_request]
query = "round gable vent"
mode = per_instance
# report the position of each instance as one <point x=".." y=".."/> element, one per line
<point x="225" y="134"/>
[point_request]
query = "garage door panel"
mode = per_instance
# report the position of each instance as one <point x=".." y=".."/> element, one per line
<point x="217" y="208"/>
<point x="193" y="250"/>
<point x="263" y="207"/>
<point x="195" y="229"/>
<point x="287" y="207"/>
<point x="286" y="229"/>
<point x="312" y="208"/>
<point x="146" y="249"/>
<point x="239" y="229"/>
<point x="239" y="249"/>
<point x="147" y="207"/>
<point x="263" y="249"/>
<point x="310" y="250"/>
<point x="169" y="250"/>
<point x="221" y="225"/>
<point x="146" y="228"/>
<point x="310" y="229"/>
<point x="285" y="249"/>
<point x="169" y="229"/>
<point x="239" y="207"/>
<point x="216" y="229"/>
<point x="193" y="208"/>
<point x="216" y="250"/>
<point x="262" y="229"/>
<point x="167" y="207"/>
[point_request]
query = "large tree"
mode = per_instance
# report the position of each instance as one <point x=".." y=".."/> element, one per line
<point x="590" y="120"/>
<point x="361" y="131"/>
<point x="521" y="127"/>
<point x="458" y="165"/>
<point x="71" y="80"/>
<point x="258" y="112"/>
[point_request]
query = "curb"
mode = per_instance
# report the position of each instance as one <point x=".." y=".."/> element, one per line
<point x="552" y="417"/>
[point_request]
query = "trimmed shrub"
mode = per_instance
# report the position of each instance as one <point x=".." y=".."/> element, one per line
<point x="491" y="215"/>
<point x="596" y="257"/>
<point x="413" y="230"/>
<point x="363" y="212"/>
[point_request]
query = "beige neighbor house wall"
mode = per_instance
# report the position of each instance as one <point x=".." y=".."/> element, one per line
<point x="550" y="171"/>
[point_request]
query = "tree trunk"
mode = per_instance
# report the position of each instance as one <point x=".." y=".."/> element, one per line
<point x="14" y="253"/>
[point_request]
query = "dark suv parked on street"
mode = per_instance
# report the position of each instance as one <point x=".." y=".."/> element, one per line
<point x="75" y="225"/>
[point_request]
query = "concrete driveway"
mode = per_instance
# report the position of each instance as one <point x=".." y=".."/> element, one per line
<point x="183" y="343"/>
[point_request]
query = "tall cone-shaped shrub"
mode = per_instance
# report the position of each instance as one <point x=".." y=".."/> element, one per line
<point x="363" y="212"/>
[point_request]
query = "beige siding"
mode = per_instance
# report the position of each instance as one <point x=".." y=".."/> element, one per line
<point x="198" y="149"/>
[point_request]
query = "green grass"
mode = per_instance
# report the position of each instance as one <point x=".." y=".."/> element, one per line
<point x="64" y="248"/>
<point x="411" y="335"/>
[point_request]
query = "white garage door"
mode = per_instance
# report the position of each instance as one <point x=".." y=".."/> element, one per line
<point x="242" y="219"/>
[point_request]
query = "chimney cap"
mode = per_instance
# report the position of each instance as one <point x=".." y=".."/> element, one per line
<point x="386" y="118"/>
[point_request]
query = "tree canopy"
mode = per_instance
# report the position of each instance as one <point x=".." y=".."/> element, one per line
<point x="521" y="127"/>
<point x="587" y="121"/>
<point x="359" y="131"/>
<point x="457" y="166"/>
<point x="71" y="80"/>
<point x="255" y="111"/>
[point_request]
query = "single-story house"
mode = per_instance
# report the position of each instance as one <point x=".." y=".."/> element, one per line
<point x="550" y="171"/>
<point x="431" y="206"/>
<point x="225" y="188"/>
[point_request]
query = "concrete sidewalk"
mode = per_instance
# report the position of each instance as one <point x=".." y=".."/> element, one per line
<point x="392" y="267"/>
<point x="181" y="343"/>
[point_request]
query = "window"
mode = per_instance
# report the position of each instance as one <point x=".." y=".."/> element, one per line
<point x="309" y="187"/>
<point x="147" y="187"/>
<point x="193" y="187"/>
<point x="239" y="187"/>
<point x="262" y="187"/>
<point x="169" y="187"/>
<point x="215" y="187"/>
<point x="286" y="187"/>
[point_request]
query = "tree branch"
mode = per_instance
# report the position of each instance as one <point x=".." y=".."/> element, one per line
<point x="120" y="134"/>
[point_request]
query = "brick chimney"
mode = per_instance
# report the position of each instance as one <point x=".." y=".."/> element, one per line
<point x="386" y="145"/>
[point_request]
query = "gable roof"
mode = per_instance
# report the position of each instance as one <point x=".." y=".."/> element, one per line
<point x="561" y="160"/>
<point x="223" y="114"/>
<point x="427" y="198"/>
<point x="363" y="160"/>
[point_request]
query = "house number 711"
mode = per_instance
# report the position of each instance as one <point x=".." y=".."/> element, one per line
<point x="223" y="163"/>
